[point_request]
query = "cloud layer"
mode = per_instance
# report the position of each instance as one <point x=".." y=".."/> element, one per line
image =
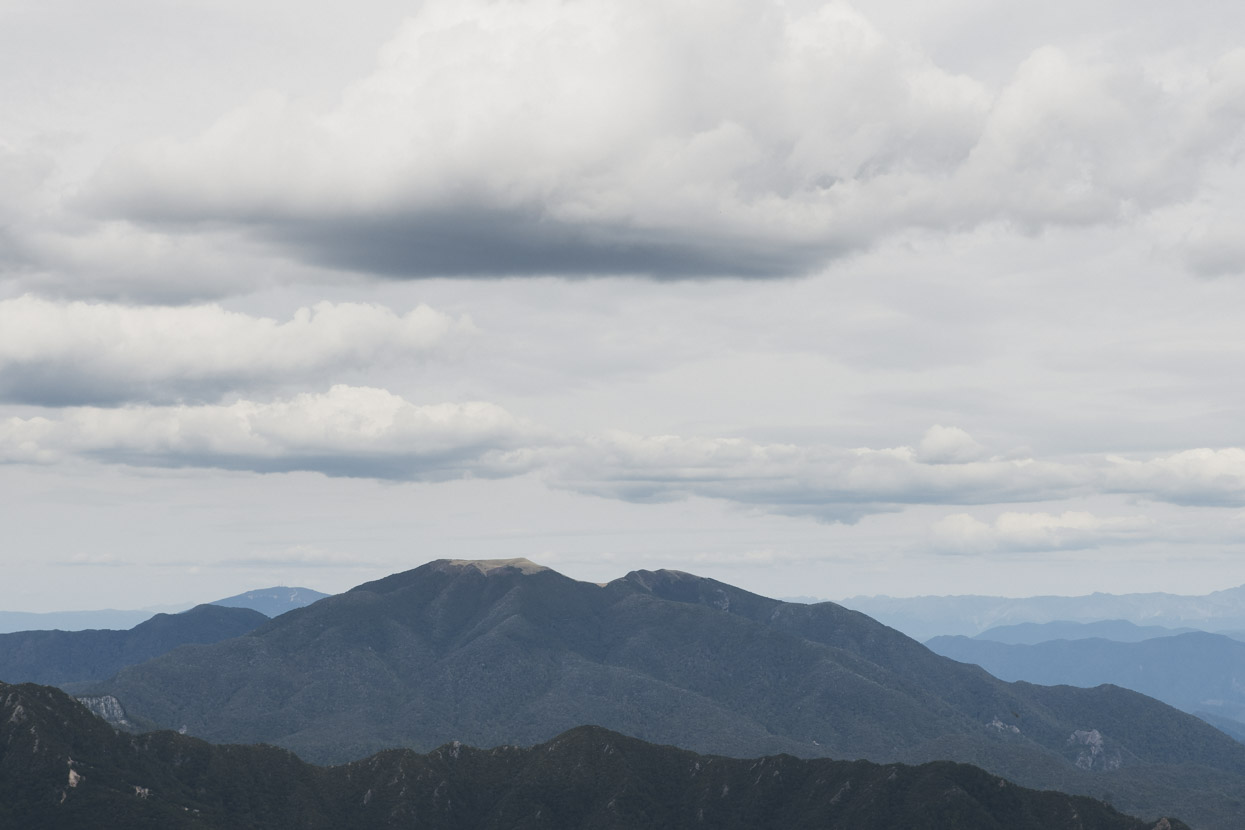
<point x="826" y="483"/>
<point x="57" y="354"/>
<point x="1014" y="532"/>
<point x="744" y="137"/>
<point x="347" y="431"/>
<point x="370" y="433"/>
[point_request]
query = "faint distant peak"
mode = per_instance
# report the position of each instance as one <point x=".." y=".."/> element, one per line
<point x="272" y="601"/>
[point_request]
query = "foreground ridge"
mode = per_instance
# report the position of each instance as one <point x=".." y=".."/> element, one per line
<point x="61" y="767"/>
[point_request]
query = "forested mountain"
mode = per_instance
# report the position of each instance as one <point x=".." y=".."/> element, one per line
<point x="60" y="657"/>
<point x="63" y="769"/>
<point x="512" y="653"/>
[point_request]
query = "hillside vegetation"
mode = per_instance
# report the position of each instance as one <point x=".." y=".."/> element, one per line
<point x="63" y="769"/>
<point x="65" y="657"/>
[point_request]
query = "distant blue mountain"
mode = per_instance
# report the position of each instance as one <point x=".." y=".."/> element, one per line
<point x="1121" y="631"/>
<point x="1200" y="673"/>
<point x="110" y="618"/>
<point x="272" y="602"/>
<point x="268" y="601"/>
<point x="929" y="616"/>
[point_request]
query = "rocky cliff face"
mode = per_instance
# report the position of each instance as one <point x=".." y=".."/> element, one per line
<point x="108" y="709"/>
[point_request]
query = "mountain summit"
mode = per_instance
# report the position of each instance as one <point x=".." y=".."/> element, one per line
<point x="507" y="652"/>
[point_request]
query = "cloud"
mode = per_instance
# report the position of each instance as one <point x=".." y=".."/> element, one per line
<point x="821" y="482"/>
<point x="1011" y="532"/>
<point x="347" y="431"/>
<point x="296" y="556"/>
<point x="57" y="354"/>
<point x="123" y="261"/>
<point x="23" y="174"/>
<point x="361" y="432"/>
<point x="743" y="137"/>
<point x="1193" y="477"/>
<point x="949" y="468"/>
<point x="948" y="445"/>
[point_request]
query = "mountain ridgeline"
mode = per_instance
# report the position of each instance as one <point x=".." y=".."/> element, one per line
<point x="926" y="617"/>
<point x="1120" y="631"/>
<point x="63" y="769"/>
<point x="64" y="657"/>
<point x="493" y="653"/>
<point x="1197" y="672"/>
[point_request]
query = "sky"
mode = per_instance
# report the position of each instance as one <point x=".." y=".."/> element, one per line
<point x="818" y="299"/>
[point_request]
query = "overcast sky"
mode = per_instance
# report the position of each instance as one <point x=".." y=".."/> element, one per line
<point x="814" y="298"/>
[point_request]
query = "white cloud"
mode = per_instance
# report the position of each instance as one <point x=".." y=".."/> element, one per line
<point x="948" y="445"/>
<point x="1199" y="476"/>
<point x="73" y="353"/>
<point x="961" y="533"/>
<point x="124" y="261"/>
<point x="746" y="136"/>
<point x="347" y="431"/>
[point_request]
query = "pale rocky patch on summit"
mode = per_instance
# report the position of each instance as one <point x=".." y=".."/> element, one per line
<point x="525" y="566"/>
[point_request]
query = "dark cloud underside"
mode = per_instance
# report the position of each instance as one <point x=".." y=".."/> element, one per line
<point x="489" y="243"/>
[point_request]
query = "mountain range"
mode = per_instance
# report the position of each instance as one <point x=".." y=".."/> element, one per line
<point x="1120" y="631"/>
<point x="63" y="657"/>
<point x="508" y="652"/>
<point x="111" y="618"/>
<point x="1197" y="672"/>
<point x="925" y="617"/>
<point x="63" y="769"/>
<point x="268" y="601"/>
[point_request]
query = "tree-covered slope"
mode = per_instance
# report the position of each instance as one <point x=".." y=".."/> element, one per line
<point x="63" y="769"/>
<point x="511" y="653"/>
<point x="61" y="657"/>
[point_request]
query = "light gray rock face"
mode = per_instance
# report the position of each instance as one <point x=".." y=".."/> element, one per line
<point x="108" y="708"/>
